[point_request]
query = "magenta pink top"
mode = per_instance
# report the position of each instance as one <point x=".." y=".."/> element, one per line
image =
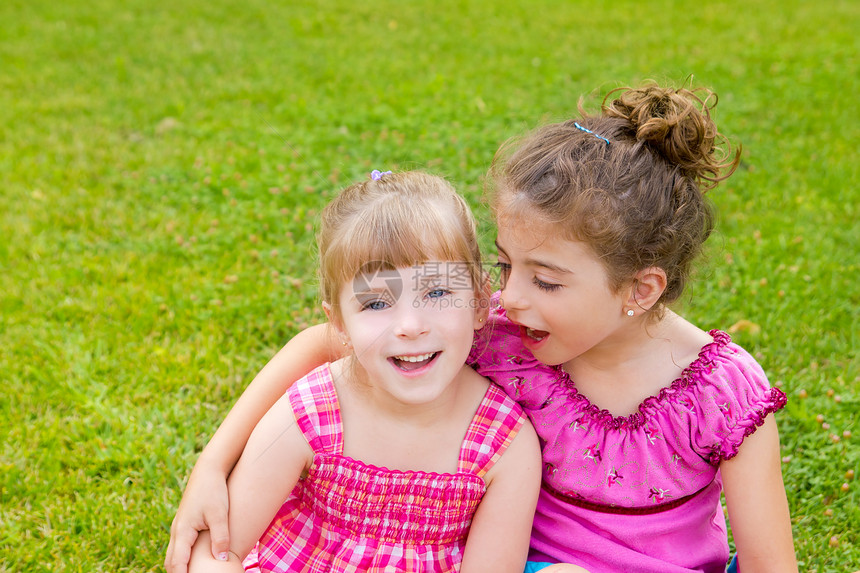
<point x="636" y="493"/>
<point x="350" y="516"/>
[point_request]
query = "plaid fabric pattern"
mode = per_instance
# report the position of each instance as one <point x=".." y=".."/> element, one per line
<point x="495" y="424"/>
<point x="349" y="516"/>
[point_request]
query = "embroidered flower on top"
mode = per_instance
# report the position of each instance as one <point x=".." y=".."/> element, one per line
<point x="517" y="383"/>
<point x="376" y="174"/>
<point x="652" y="434"/>
<point x="592" y="453"/>
<point x="657" y="494"/>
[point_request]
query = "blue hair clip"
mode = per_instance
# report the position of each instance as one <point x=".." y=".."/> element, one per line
<point x="376" y="174"/>
<point x="586" y="130"/>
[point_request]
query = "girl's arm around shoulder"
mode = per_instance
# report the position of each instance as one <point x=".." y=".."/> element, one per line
<point x="274" y="459"/>
<point x="204" y="503"/>
<point x="757" y="504"/>
<point x="501" y="528"/>
<point x="308" y="349"/>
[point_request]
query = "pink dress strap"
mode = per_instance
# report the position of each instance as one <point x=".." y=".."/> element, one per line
<point x="495" y="424"/>
<point x="348" y="516"/>
<point x="317" y="411"/>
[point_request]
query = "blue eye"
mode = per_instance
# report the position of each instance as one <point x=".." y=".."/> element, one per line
<point x="437" y="293"/>
<point x="375" y="305"/>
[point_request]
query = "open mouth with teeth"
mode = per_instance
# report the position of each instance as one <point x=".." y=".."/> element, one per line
<point x="534" y="333"/>
<point x="414" y="362"/>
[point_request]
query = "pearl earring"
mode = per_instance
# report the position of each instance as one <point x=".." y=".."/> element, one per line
<point x="630" y="312"/>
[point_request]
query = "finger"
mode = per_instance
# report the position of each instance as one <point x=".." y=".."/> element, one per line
<point x="220" y="536"/>
<point x="177" y="559"/>
<point x="168" y="555"/>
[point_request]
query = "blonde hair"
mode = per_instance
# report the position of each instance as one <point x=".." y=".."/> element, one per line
<point x="399" y="220"/>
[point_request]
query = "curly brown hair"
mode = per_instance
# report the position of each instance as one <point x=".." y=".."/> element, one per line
<point x="629" y="181"/>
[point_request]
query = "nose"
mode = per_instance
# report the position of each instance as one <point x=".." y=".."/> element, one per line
<point x="512" y="292"/>
<point x="410" y="321"/>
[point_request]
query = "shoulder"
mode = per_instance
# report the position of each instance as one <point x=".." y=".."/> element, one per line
<point x="710" y="359"/>
<point x="725" y="373"/>
<point x="317" y="382"/>
<point x="496" y="425"/>
<point x="519" y="455"/>
<point x="314" y="392"/>
<point x="315" y="404"/>
<point x="502" y="406"/>
<point x="727" y="367"/>
<point x="732" y="395"/>
<point x="489" y="404"/>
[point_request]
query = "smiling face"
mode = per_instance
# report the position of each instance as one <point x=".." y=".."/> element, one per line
<point x="410" y="328"/>
<point x="558" y="291"/>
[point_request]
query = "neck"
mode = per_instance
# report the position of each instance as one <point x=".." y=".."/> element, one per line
<point x="636" y="362"/>
<point x="627" y="346"/>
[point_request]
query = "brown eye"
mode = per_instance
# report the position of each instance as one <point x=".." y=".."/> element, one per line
<point x="504" y="273"/>
<point x="545" y="286"/>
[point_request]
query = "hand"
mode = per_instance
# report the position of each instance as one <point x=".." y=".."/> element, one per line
<point x="204" y="506"/>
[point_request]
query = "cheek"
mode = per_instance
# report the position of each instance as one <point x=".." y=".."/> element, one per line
<point x="360" y="330"/>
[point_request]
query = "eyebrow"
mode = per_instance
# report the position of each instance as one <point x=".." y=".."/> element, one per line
<point x="538" y="262"/>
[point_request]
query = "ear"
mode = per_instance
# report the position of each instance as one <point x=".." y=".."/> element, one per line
<point x="327" y="310"/>
<point x="335" y="323"/>
<point x="647" y="288"/>
<point x="482" y="303"/>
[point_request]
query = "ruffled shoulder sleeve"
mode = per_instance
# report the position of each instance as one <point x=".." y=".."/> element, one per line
<point x="730" y="398"/>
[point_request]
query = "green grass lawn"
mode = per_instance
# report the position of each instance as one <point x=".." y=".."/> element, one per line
<point x="163" y="164"/>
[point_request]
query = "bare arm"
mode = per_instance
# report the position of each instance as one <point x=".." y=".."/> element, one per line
<point x="205" y="502"/>
<point x="273" y="460"/>
<point x="499" y="536"/>
<point x="309" y="349"/>
<point x="758" y="508"/>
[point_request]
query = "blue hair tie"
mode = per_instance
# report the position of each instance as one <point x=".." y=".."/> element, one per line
<point x="376" y="174"/>
<point x="586" y="130"/>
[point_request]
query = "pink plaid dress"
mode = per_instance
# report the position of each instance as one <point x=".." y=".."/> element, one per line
<point x="350" y="516"/>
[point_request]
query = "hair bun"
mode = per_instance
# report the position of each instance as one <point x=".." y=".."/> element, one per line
<point x="677" y="124"/>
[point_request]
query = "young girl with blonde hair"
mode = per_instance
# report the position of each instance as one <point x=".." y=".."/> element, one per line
<point x="644" y="418"/>
<point x="397" y="457"/>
